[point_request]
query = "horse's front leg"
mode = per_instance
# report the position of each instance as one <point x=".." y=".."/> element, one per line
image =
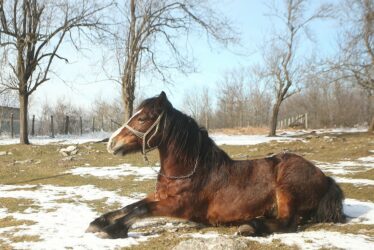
<point x="150" y="208"/>
<point x="109" y="218"/>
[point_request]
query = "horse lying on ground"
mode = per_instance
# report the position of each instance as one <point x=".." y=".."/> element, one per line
<point x="199" y="182"/>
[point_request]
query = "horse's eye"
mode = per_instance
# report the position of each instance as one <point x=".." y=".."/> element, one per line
<point x="142" y="119"/>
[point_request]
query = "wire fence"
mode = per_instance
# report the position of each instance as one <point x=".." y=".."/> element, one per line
<point x="52" y="125"/>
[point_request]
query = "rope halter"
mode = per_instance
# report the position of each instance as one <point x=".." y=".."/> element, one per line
<point x="143" y="135"/>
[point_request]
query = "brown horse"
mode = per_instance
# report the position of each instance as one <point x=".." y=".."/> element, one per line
<point x="200" y="182"/>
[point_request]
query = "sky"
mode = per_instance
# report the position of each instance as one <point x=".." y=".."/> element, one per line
<point x="81" y="81"/>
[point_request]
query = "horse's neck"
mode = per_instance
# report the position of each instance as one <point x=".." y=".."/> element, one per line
<point x="172" y="165"/>
<point x="209" y="154"/>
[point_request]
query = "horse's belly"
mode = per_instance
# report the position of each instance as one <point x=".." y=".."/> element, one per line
<point x="239" y="206"/>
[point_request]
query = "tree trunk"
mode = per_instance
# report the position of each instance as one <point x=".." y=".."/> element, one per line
<point x="128" y="90"/>
<point x="371" y="126"/>
<point x="274" y="119"/>
<point x="370" y="112"/>
<point x="23" y="122"/>
<point x="129" y="106"/>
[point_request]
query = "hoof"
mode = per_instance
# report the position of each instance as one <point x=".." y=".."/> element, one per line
<point x="103" y="235"/>
<point x="93" y="229"/>
<point x="246" y="230"/>
<point x="97" y="225"/>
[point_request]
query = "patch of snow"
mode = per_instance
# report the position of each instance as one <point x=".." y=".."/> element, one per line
<point x="142" y="173"/>
<point x="3" y="212"/>
<point x="60" y="139"/>
<point x="222" y="139"/>
<point x="359" y="211"/>
<point x="323" y="131"/>
<point x="207" y="235"/>
<point x="320" y="239"/>
<point x="367" y="159"/>
<point x="347" y="167"/>
<point x="365" y="182"/>
<point x="62" y="225"/>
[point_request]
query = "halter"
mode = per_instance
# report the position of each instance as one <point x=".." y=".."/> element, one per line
<point x="143" y="135"/>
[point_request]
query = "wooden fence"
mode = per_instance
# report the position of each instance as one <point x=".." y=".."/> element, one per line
<point x="294" y="121"/>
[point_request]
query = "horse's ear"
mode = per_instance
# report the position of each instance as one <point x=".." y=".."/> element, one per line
<point x="163" y="100"/>
<point x="162" y="96"/>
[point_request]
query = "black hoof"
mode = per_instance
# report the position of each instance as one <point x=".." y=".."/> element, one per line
<point x="114" y="231"/>
<point x="259" y="227"/>
<point x="97" y="225"/>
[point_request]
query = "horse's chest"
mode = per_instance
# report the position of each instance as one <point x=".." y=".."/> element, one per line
<point x="165" y="189"/>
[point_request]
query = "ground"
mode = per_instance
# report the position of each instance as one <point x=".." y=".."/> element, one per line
<point x="47" y="199"/>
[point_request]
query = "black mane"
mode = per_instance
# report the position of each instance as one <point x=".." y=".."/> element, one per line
<point x="185" y="137"/>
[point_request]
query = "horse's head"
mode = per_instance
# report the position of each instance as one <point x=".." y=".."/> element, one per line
<point x="143" y="130"/>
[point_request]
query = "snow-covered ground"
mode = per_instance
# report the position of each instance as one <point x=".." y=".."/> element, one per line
<point x="141" y="173"/>
<point x="59" y="139"/>
<point x="60" y="215"/>
<point x="219" y="138"/>
<point x="61" y="225"/>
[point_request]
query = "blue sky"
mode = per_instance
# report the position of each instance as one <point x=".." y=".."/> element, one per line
<point x="80" y="81"/>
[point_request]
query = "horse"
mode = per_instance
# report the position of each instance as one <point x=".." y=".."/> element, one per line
<point x="199" y="182"/>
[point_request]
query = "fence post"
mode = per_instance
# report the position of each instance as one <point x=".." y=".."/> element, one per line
<point x="306" y="120"/>
<point x="52" y="129"/>
<point x="33" y="125"/>
<point x="12" y="125"/>
<point x="66" y="125"/>
<point x="80" y="125"/>
<point x="93" y="124"/>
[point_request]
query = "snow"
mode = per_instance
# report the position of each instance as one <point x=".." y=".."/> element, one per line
<point x="60" y="139"/>
<point x="347" y="167"/>
<point x="359" y="211"/>
<point x="207" y="235"/>
<point x="320" y="239"/>
<point x="61" y="225"/>
<point x="142" y="173"/>
<point x="222" y="139"/>
<point x="323" y="131"/>
<point x="367" y="159"/>
<point x="365" y="182"/>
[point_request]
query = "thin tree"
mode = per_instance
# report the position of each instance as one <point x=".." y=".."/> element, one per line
<point x="357" y="48"/>
<point x="152" y="38"/>
<point x="283" y="58"/>
<point x="32" y="33"/>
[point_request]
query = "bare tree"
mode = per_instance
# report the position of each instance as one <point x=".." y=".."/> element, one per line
<point x="357" y="48"/>
<point x="32" y="33"/>
<point x="152" y="38"/>
<point x="283" y="58"/>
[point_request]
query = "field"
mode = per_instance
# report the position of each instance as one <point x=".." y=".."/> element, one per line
<point x="47" y="200"/>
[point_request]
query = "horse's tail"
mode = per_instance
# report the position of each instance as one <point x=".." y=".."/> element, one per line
<point x="330" y="207"/>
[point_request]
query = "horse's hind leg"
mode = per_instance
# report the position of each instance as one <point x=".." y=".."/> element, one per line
<point x="286" y="220"/>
